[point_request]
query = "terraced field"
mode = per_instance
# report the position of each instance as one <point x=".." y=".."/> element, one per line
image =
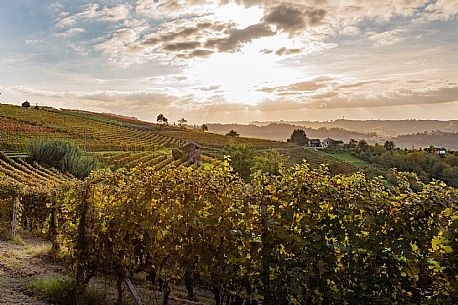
<point x="33" y="175"/>
<point x="102" y="132"/>
<point x="20" y="125"/>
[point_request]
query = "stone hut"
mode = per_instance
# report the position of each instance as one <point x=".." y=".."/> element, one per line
<point x="191" y="151"/>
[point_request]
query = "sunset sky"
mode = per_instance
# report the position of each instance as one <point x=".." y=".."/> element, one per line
<point x="234" y="60"/>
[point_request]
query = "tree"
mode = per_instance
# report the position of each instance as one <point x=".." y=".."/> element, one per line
<point x="269" y="161"/>
<point x="363" y="146"/>
<point x="241" y="159"/>
<point x="182" y="122"/>
<point x="204" y="127"/>
<point x="161" y="119"/>
<point x="352" y="144"/>
<point x="26" y="104"/>
<point x="232" y="133"/>
<point x="299" y="137"/>
<point x="389" y="145"/>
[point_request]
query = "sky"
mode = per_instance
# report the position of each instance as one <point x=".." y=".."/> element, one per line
<point x="234" y="60"/>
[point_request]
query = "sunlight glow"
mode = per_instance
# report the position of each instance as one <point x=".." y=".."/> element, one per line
<point x="240" y="15"/>
<point x="241" y="74"/>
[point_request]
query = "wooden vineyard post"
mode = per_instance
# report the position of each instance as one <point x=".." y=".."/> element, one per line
<point x="265" y="254"/>
<point x="133" y="292"/>
<point x="53" y="229"/>
<point x="13" y="221"/>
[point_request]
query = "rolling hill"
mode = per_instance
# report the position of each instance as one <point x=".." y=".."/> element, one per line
<point x="119" y="141"/>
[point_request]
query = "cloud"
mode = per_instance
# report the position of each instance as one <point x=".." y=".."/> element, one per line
<point x="350" y="30"/>
<point x="71" y="32"/>
<point x="187" y="29"/>
<point x="359" y="84"/>
<point x="33" y="41"/>
<point x="441" y="10"/>
<point x="292" y="19"/>
<point x="202" y="53"/>
<point x="210" y="88"/>
<point x="108" y="100"/>
<point x="172" y="25"/>
<point x="301" y="87"/>
<point x="204" y="38"/>
<point x="94" y="12"/>
<point x="183" y="33"/>
<point x="238" y="37"/>
<point x="148" y="103"/>
<point x="169" y="9"/>
<point x="176" y="30"/>
<point x="286" y="51"/>
<point x="387" y="38"/>
<point x="122" y="46"/>
<point x="55" y="7"/>
<point x="404" y="96"/>
<point x="181" y="46"/>
<point x="332" y="101"/>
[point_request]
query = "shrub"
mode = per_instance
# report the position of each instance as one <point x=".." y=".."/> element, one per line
<point x="64" y="156"/>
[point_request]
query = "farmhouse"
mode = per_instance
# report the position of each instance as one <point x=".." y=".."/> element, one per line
<point x="441" y="152"/>
<point x="334" y="144"/>
<point x="314" y="143"/>
<point x="327" y="142"/>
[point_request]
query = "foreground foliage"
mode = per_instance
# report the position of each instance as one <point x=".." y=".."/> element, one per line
<point x="322" y="238"/>
<point x="302" y="236"/>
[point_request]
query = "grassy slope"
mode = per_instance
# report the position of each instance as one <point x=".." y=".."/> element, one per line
<point x="316" y="158"/>
<point x="349" y="158"/>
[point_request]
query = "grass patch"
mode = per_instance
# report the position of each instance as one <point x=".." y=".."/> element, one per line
<point x="19" y="241"/>
<point x="37" y="250"/>
<point x="53" y="289"/>
<point x="349" y="158"/>
<point x="59" y="290"/>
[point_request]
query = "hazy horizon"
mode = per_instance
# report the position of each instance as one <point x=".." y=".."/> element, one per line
<point x="234" y="61"/>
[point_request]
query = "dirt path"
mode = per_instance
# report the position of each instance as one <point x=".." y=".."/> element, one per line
<point x="20" y="265"/>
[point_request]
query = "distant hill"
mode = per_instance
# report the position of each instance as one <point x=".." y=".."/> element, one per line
<point x="386" y="128"/>
<point x="437" y="139"/>
<point x="405" y="133"/>
<point x="282" y="131"/>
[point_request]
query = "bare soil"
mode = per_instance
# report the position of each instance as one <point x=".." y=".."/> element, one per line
<point x="20" y="265"/>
